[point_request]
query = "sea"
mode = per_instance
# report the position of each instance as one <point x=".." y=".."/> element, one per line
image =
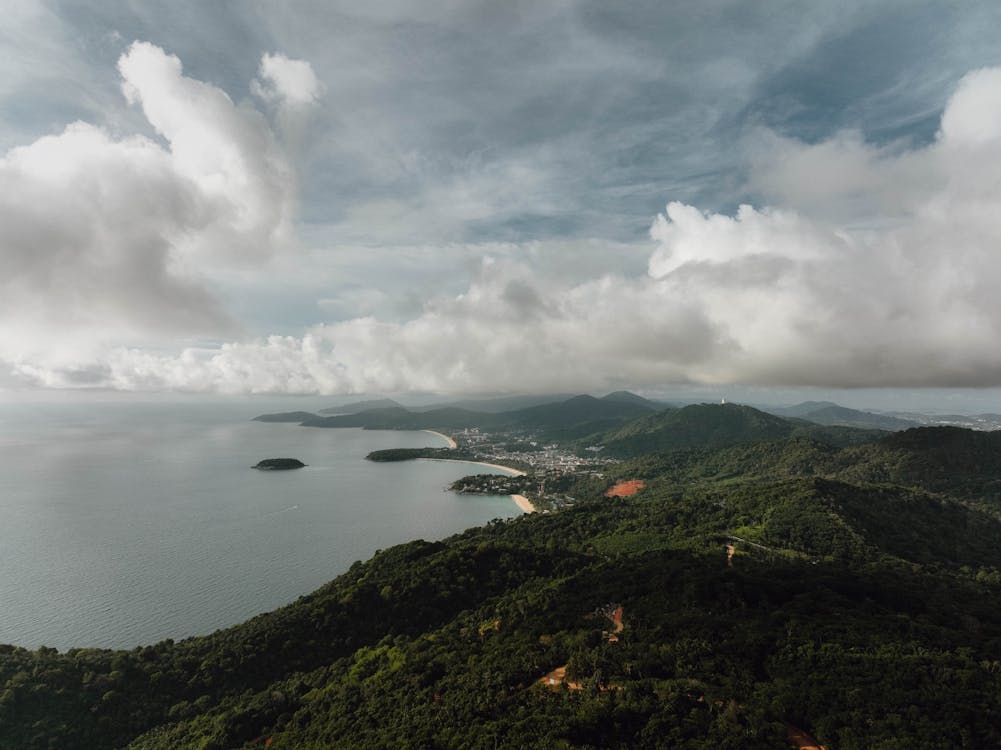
<point x="124" y="524"/>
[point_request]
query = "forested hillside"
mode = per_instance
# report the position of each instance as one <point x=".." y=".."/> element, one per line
<point x="712" y="426"/>
<point x="843" y="591"/>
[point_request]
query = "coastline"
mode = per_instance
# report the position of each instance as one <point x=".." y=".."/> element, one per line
<point x="513" y="472"/>
<point x="520" y="500"/>
<point x="450" y="441"/>
<point x="524" y="503"/>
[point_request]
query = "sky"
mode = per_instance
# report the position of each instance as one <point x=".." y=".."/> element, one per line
<point x="463" y="197"/>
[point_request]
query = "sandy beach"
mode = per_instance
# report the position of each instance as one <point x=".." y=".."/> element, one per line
<point x="513" y="472"/>
<point x="451" y="443"/>
<point x="524" y="503"/>
<point x="520" y="500"/>
<point x="508" y="469"/>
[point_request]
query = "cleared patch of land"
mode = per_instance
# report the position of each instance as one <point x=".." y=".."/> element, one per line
<point x="626" y="489"/>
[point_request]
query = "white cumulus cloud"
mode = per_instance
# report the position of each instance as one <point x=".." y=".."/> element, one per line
<point x="291" y="82"/>
<point x="103" y="237"/>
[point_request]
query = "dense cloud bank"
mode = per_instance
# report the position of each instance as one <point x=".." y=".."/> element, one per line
<point x="872" y="266"/>
<point x="104" y="237"/>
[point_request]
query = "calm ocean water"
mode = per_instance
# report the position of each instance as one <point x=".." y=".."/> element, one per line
<point x="124" y="524"/>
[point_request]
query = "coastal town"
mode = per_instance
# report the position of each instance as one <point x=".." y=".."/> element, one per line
<point x="546" y="473"/>
<point x="522" y="449"/>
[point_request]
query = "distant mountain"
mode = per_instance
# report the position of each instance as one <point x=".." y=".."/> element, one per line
<point x="377" y="403"/>
<point x="627" y="397"/>
<point x="831" y="414"/>
<point x="285" y="416"/>
<point x="505" y="404"/>
<point x="799" y="410"/>
<point x="576" y="417"/>
<point x="499" y="404"/>
<point x="400" y="418"/>
<point x="827" y="413"/>
<point x="574" y="411"/>
<point x="569" y="419"/>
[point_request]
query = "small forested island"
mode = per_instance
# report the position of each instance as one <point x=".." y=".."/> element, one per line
<point x="279" y="464"/>
<point x="409" y="454"/>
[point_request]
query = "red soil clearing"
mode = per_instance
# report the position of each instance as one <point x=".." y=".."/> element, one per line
<point x="558" y="677"/>
<point x="625" y="489"/>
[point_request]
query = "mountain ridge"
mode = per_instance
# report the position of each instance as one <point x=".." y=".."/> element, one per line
<point x="831" y="414"/>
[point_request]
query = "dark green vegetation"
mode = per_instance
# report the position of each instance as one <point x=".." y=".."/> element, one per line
<point x="494" y="484"/>
<point x="279" y="464"/>
<point x="446" y="454"/>
<point x="409" y="454"/>
<point x="863" y="605"/>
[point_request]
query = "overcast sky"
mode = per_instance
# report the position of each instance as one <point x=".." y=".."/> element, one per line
<point x="455" y="196"/>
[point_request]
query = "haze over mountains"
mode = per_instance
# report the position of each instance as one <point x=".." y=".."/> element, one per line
<point x="577" y="411"/>
<point x="576" y="416"/>
<point x="828" y="413"/>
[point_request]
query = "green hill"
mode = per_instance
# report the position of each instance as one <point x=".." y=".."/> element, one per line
<point x="862" y="604"/>
<point x="574" y="418"/>
<point x="800" y="410"/>
<point x="703" y="425"/>
<point x="951" y="460"/>
<point x="963" y="462"/>
<point x="628" y="397"/>
<point x="577" y="410"/>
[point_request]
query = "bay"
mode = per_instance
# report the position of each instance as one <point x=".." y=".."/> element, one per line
<point x="125" y="524"/>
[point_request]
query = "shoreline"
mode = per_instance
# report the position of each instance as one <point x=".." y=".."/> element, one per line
<point x="451" y="442"/>
<point x="514" y="472"/>
<point x="524" y="503"/>
<point x="521" y="501"/>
